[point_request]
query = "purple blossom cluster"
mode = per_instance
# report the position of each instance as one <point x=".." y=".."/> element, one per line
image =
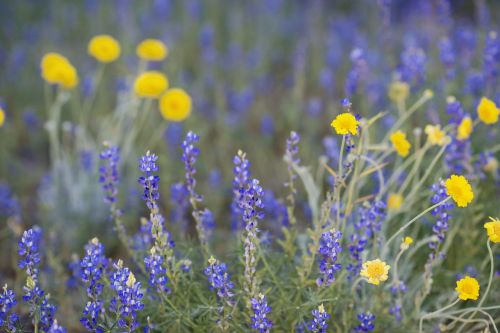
<point x="328" y="252"/>
<point x="260" y="321"/>
<point x="108" y="172"/>
<point x="218" y="278"/>
<point x="319" y="322"/>
<point x="366" y="322"/>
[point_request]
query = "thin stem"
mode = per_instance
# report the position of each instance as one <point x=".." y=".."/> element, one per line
<point x="338" y="181"/>
<point x="409" y="223"/>
<point x="433" y="314"/>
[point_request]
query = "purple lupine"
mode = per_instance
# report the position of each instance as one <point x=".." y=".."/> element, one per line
<point x="29" y="255"/>
<point x="448" y="57"/>
<point x="260" y="322"/>
<point x="8" y="320"/>
<point x="219" y="279"/>
<point x="56" y="328"/>
<point x="92" y="314"/>
<point x="292" y="150"/>
<point x="179" y="199"/>
<point x="153" y="264"/>
<point x="241" y="172"/>
<point x="318" y="324"/>
<point x="189" y="155"/>
<point x="328" y="251"/>
<point x="358" y="73"/>
<point x="92" y="268"/>
<point x="128" y="299"/>
<point x="441" y="214"/>
<point x="150" y="181"/>
<point x="457" y="155"/>
<point x="9" y="205"/>
<point x="491" y="59"/>
<point x="412" y="68"/>
<point x="108" y="172"/>
<point x="365" y="322"/>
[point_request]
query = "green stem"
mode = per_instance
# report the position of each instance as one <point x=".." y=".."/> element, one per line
<point x="433" y="314"/>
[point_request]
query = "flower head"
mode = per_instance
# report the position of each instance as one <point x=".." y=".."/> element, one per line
<point x="2" y="117"/>
<point x="218" y="278"/>
<point x="365" y="322"/>
<point x="468" y="288"/>
<point x="150" y="181"/>
<point x="260" y="322"/>
<point x="405" y="244"/>
<point x="104" y="48"/>
<point x="399" y="91"/>
<point x="152" y="50"/>
<point x="460" y="190"/>
<point x="318" y="324"/>
<point x="328" y="251"/>
<point x="400" y="143"/>
<point x="150" y="84"/>
<point x="56" y="69"/>
<point x="464" y="129"/>
<point x="488" y="111"/>
<point x="394" y="201"/>
<point x="436" y="136"/>
<point x="493" y="229"/>
<point x="345" y="123"/>
<point x="375" y="271"/>
<point x="175" y="105"/>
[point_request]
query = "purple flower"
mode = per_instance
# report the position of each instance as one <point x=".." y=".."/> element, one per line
<point x="328" y="251"/>
<point x="318" y="324"/>
<point x="260" y="322"/>
<point x="108" y="172"/>
<point x="150" y="181"/>
<point x="218" y="278"/>
<point x="365" y="322"/>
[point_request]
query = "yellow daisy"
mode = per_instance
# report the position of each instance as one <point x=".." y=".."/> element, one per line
<point x="460" y="190"/>
<point x="468" y="288"/>
<point x="375" y="271"/>
<point x="345" y="123"/>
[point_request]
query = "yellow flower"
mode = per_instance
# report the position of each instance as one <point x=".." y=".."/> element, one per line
<point x="56" y="69"/>
<point x="405" y="244"/>
<point x="150" y="84"/>
<point x="152" y="50"/>
<point x="491" y="165"/>
<point x="464" y="130"/>
<point x="375" y="271"/>
<point x="2" y="117"/>
<point x="435" y="135"/>
<point x="394" y="201"/>
<point x="399" y="91"/>
<point x="131" y="280"/>
<point x="345" y="123"/>
<point x="493" y="229"/>
<point x="468" y="288"/>
<point x="488" y="111"/>
<point x="175" y="105"/>
<point x="104" y="48"/>
<point x="400" y="143"/>
<point x="460" y="190"/>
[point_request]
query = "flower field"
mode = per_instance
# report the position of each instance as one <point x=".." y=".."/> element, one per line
<point x="249" y="166"/>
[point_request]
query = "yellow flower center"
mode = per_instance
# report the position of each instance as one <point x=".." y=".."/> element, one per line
<point x="376" y="270"/>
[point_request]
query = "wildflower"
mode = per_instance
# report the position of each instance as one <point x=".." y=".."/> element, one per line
<point x="318" y="324"/>
<point x="493" y="229"/>
<point x="435" y="135"/>
<point x="179" y="199"/>
<point x="219" y="278"/>
<point x="464" y="129"/>
<point x="56" y="69"/>
<point x="93" y="265"/>
<point x="175" y="105"/>
<point x="405" y="244"/>
<point x="189" y="156"/>
<point x="366" y="322"/>
<point x="56" y="328"/>
<point x="488" y="111"/>
<point x="394" y="201"/>
<point x="2" y="117"/>
<point x="104" y="48"/>
<point x="291" y="153"/>
<point x="150" y="181"/>
<point x="8" y="301"/>
<point x="128" y="299"/>
<point x="345" y="123"/>
<point x="109" y="172"/>
<point x="468" y="288"/>
<point x="153" y="264"/>
<point x="375" y="271"/>
<point x="241" y="172"/>
<point x="460" y="190"/>
<point x="29" y="256"/>
<point x="150" y="84"/>
<point x="152" y="50"/>
<point x="92" y="316"/>
<point x="399" y="91"/>
<point x="260" y="322"/>
<point x="329" y="249"/>
<point x="400" y="143"/>
<point x="9" y="205"/>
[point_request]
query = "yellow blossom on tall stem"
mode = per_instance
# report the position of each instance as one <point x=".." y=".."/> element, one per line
<point x="152" y="50"/>
<point x="56" y="69"/>
<point x="459" y="189"/>
<point x="435" y="135"/>
<point x="104" y="48"/>
<point x="375" y="271"/>
<point x="400" y="143"/>
<point x="464" y="129"/>
<point x="175" y="105"/>
<point x="468" y="288"/>
<point x="399" y="91"/>
<point x="345" y="123"/>
<point x="150" y="84"/>
<point x="493" y="229"/>
<point x="488" y="111"/>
